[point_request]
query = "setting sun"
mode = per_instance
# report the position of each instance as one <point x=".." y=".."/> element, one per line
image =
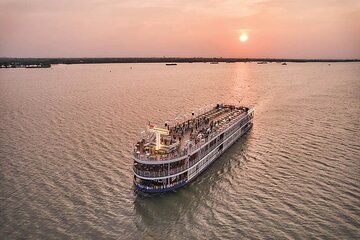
<point x="243" y="37"/>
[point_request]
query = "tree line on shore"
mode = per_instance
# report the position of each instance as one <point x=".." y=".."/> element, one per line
<point x="46" y="62"/>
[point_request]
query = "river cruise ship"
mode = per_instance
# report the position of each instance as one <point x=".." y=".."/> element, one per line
<point x="170" y="156"/>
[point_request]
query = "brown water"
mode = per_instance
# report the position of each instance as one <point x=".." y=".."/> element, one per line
<point x="66" y="135"/>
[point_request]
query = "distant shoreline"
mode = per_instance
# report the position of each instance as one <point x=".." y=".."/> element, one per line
<point x="7" y="62"/>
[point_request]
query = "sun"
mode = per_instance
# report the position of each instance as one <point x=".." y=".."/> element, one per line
<point x="243" y="37"/>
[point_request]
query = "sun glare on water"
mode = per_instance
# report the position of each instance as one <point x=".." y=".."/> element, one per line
<point x="243" y="37"/>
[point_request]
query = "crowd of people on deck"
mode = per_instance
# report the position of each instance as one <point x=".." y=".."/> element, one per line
<point x="199" y="128"/>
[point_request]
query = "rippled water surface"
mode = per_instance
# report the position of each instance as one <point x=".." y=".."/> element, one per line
<point x="66" y="135"/>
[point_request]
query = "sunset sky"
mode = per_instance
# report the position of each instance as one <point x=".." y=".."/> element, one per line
<point x="184" y="28"/>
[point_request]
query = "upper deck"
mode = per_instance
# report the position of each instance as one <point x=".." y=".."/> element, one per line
<point x="175" y="142"/>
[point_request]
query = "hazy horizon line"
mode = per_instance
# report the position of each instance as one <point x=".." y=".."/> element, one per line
<point x="169" y="57"/>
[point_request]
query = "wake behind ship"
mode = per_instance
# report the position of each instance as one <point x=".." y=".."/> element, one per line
<point x="168" y="158"/>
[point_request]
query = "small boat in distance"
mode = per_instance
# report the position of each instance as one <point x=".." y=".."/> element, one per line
<point x="214" y="62"/>
<point x="284" y="63"/>
<point x="171" y="64"/>
<point x="170" y="157"/>
<point x="263" y="62"/>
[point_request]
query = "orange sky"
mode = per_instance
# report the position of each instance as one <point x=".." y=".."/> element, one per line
<point x="184" y="28"/>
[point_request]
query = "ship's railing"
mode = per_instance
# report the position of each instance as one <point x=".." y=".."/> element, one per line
<point x="176" y="154"/>
<point x="145" y="173"/>
<point x="161" y="186"/>
<point x="172" y="171"/>
<point x="185" y="152"/>
<point x="159" y="157"/>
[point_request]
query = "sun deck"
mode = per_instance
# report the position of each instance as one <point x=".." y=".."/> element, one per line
<point x="184" y="137"/>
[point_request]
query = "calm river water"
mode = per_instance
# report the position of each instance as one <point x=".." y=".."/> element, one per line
<point x="66" y="135"/>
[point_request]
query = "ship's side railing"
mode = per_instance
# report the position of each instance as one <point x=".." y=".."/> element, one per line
<point x="176" y="170"/>
<point x="202" y="155"/>
<point x="164" y="173"/>
<point x="158" y="157"/>
<point x="160" y="186"/>
<point x="184" y="152"/>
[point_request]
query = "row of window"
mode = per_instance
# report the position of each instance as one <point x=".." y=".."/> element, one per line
<point x="202" y="164"/>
